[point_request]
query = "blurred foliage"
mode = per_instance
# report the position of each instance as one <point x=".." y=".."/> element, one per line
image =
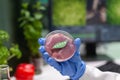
<point x="113" y="12"/>
<point x="30" y="21"/>
<point x="69" y="12"/>
<point x="5" y="52"/>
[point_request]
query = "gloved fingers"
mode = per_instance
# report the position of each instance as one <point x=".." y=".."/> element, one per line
<point x="45" y="56"/>
<point x="76" y="56"/>
<point x="41" y="41"/>
<point x="42" y="49"/>
<point x="54" y="63"/>
<point x="77" y="43"/>
<point x="43" y="52"/>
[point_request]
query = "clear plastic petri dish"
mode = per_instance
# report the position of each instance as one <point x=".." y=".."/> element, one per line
<point x="60" y="45"/>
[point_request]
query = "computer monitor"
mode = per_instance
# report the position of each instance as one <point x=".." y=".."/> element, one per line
<point x="93" y="21"/>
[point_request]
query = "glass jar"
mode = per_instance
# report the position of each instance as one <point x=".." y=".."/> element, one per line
<point x="4" y="72"/>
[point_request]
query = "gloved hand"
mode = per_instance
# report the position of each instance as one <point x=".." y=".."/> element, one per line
<point x="74" y="67"/>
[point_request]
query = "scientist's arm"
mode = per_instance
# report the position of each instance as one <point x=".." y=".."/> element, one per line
<point x="74" y="67"/>
<point x="93" y="73"/>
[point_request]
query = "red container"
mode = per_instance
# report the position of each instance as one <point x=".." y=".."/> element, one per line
<point x="25" y="71"/>
<point x="64" y="41"/>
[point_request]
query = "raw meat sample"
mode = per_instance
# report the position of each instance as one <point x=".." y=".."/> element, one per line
<point x="61" y="53"/>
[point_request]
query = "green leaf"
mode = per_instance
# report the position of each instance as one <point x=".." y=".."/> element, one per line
<point x="42" y="8"/>
<point x="25" y="5"/>
<point x="60" y="44"/>
<point x="4" y="54"/>
<point x="38" y="16"/>
<point x="15" y="51"/>
<point x="4" y="36"/>
<point x="23" y="23"/>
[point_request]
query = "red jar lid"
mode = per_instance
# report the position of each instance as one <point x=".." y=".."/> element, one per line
<point x="25" y="71"/>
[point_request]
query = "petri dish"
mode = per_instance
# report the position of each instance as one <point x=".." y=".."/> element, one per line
<point x="60" y="45"/>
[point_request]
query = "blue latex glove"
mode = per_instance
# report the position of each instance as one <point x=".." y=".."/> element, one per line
<point x="74" y="67"/>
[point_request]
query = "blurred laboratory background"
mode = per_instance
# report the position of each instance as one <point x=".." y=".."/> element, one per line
<point x="95" y="22"/>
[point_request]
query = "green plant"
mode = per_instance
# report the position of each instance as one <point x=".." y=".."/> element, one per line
<point x="69" y="12"/>
<point x="30" y="21"/>
<point x="113" y="12"/>
<point x="7" y="53"/>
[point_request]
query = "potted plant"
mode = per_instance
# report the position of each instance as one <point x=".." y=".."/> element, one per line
<point x="30" y="21"/>
<point x="7" y="53"/>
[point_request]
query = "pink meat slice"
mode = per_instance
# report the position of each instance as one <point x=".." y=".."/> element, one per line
<point x="62" y="53"/>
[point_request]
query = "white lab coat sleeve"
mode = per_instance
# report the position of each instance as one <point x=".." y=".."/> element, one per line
<point x="93" y="73"/>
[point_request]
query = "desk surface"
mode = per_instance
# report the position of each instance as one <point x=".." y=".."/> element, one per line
<point x="49" y="73"/>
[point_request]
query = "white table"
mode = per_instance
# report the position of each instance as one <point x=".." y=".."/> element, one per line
<point x="49" y="73"/>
